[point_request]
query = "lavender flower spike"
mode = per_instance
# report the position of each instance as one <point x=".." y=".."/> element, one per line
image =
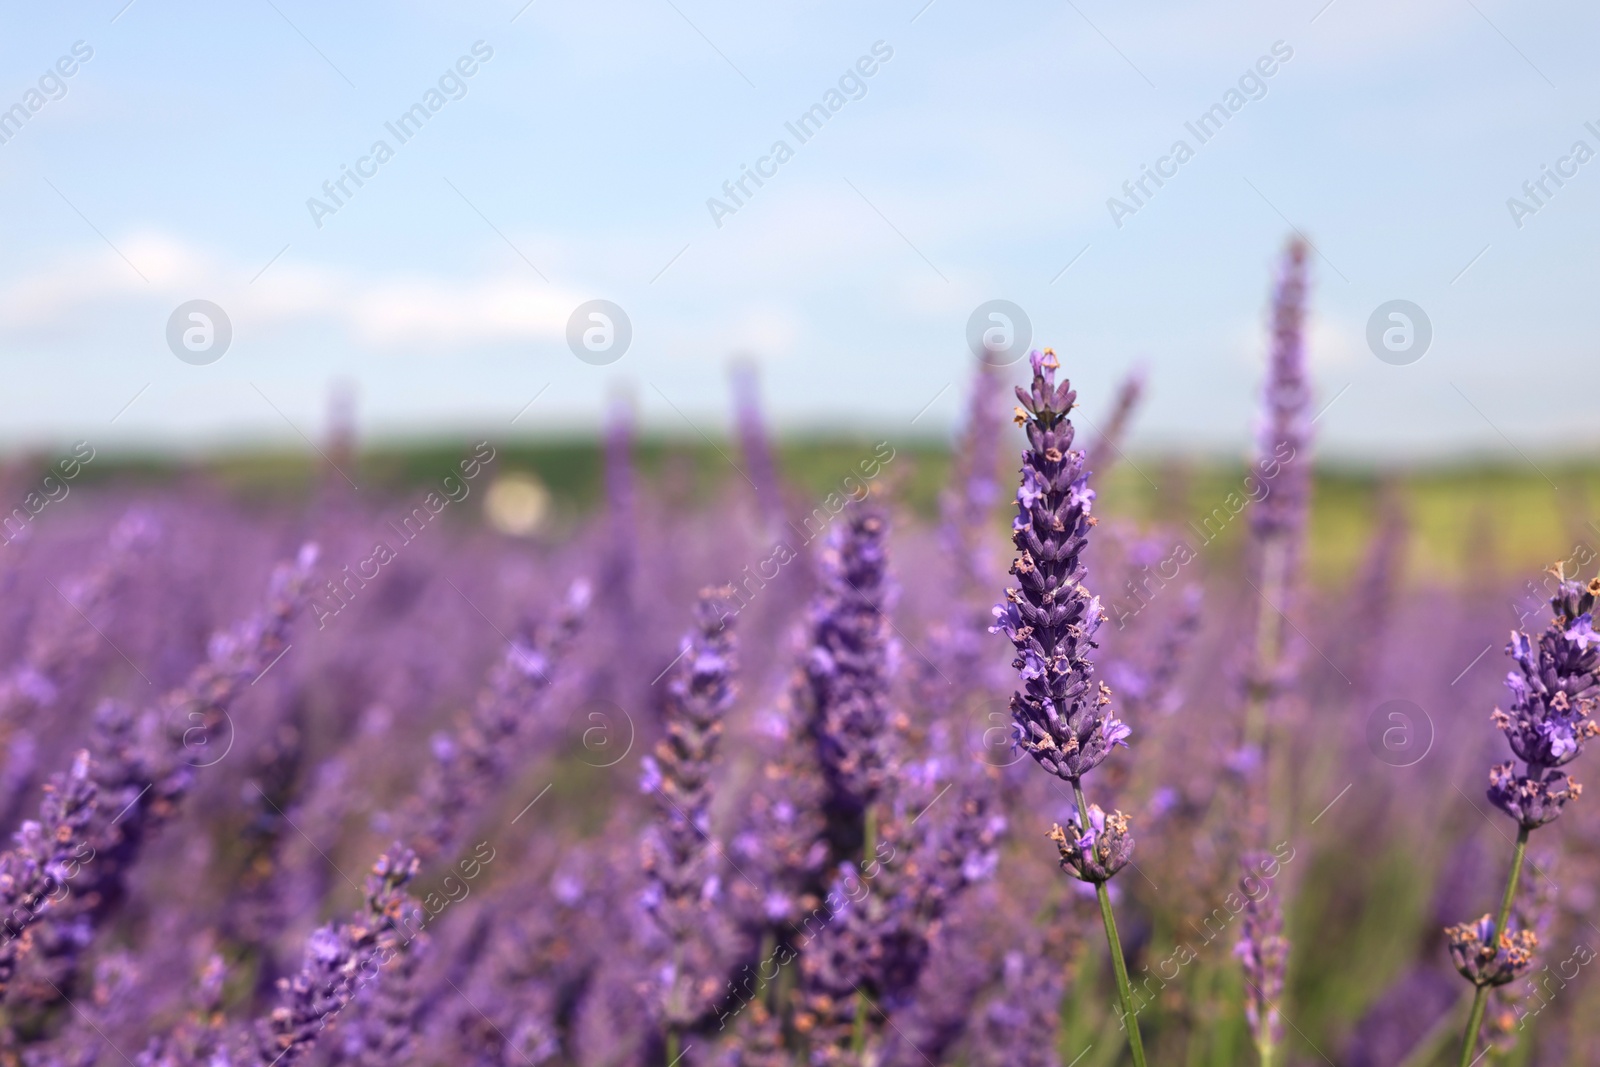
<point x="1062" y="719"/>
<point x="848" y="669"/>
<point x="46" y="857"/>
<point x="1285" y="434"/>
<point x="1555" y="690"/>
<point x="680" y="858"/>
<point x="338" y="960"/>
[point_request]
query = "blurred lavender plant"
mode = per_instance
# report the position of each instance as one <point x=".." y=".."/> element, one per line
<point x="1107" y="447"/>
<point x="1020" y="1024"/>
<point x="681" y="859"/>
<point x="338" y="960"/>
<point x="1277" y="535"/>
<point x="849" y="669"/>
<point x="863" y="966"/>
<point x="1062" y="720"/>
<point x="1278" y="519"/>
<point x="468" y="766"/>
<point x="46" y="857"/>
<point x="60" y="648"/>
<point x="756" y="447"/>
<point x="1263" y="952"/>
<point x="1555" y="690"/>
<point x="966" y="506"/>
<point x="620" y="561"/>
<point x="957" y="671"/>
<point x="1152" y="686"/>
<point x="781" y="844"/>
<point x="145" y="767"/>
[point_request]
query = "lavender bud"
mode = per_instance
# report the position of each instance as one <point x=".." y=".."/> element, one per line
<point x="1098" y="853"/>
<point x="1486" y="964"/>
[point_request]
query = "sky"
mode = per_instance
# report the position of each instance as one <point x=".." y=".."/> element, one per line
<point x="564" y="153"/>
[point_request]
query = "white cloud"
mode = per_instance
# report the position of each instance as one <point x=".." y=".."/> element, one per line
<point x="383" y="312"/>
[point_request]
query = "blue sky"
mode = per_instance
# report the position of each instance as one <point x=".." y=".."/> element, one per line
<point x="976" y="163"/>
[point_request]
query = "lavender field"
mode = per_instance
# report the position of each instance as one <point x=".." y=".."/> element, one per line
<point x="755" y="751"/>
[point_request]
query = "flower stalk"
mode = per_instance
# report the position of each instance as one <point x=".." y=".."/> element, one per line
<point x="1480" y="997"/>
<point x="1062" y="717"/>
<point x="1555" y="691"/>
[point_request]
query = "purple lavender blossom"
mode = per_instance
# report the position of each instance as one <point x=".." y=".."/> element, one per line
<point x="60" y="647"/>
<point x="954" y="823"/>
<point x="45" y="859"/>
<point x="62" y="638"/>
<point x="1513" y="1006"/>
<point x="467" y="766"/>
<point x="1278" y="518"/>
<point x="1485" y="958"/>
<point x="1107" y="446"/>
<point x="338" y="961"/>
<point x="939" y="1013"/>
<point x="1285" y="434"/>
<point x="849" y="668"/>
<point x="1277" y="536"/>
<point x="960" y="662"/>
<point x="1020" y="1026"/>
<point x="1062" y="720"/>
<point x="680" y="856"/>
<point x="1263" y="952"/>
<point x="757" y="1040"/>
<point x="968" y="502"/>
<point x="1098" y="853"/>
<point x="392" y="1008"/>
<point x="1555" y="688"/>
<point x="146" y="765"/>
<point x="781" y="845"/>
<point x="883" y="918"/>
<point x="1152" y="686"/>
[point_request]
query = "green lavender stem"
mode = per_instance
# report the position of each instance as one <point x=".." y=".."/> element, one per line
<point x="769" y="946"/>
<point x="1480" y="999"/>
<point x="1265" y="1049"/>
<point x="1269" y="647"/>
<point x="1258" y="722"/>
<point x="858" y="1035"/>
<point x="1118" y="966"/>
